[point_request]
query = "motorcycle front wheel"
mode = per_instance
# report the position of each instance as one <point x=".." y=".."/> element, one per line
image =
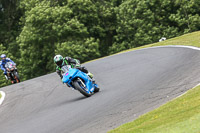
<point x="16" y="77"/>
<point x="80" y="86"/>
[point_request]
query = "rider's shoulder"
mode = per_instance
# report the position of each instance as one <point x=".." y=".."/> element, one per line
<point x="8" y="59"/>
<point x="67" y="58"/>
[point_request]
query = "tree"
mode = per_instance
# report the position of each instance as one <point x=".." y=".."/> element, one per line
<point x="9" y="19"/>
<point x="84" y="50"/>
<point x="46" y="26"/>
<point x="33" y="31"/>
<point x="187" y="15"/>
<point x="143" y="22"/>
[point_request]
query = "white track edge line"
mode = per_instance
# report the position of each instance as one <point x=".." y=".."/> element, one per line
<point x="3" y="94"/>
<point x="175" y="46"/>
<point x="132" y="50"/>
<point x="181" y="46"/>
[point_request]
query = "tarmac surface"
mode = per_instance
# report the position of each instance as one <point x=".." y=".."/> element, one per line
<point x="131" y="83"/>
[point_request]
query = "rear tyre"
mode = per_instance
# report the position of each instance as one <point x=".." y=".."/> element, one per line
<point x="80" y="87"/>
<point x="96" y="89"/>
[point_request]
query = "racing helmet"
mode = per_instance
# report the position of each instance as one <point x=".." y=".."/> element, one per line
<point x="3" y="56"/>
<point x="58" y="59"/>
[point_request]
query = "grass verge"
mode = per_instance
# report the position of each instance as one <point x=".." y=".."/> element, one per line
<point x="191" y="39"/>
<point x="181" y="115"/>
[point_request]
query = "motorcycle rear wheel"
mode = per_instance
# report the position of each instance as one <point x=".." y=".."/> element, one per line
<point x="96" y="89"/>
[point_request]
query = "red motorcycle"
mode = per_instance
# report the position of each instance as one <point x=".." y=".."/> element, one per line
<point x="12" y="72"/>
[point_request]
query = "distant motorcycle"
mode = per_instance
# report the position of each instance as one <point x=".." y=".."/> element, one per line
<point x="12" y="72"/>
<point x="79" y="81"/>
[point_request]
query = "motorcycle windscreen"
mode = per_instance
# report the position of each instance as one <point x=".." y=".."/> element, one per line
<point x="68" y="76"/>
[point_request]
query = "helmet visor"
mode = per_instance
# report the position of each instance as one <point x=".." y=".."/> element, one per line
<point x="59" y="63"/>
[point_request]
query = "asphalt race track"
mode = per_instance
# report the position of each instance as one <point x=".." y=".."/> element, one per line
<point x="132" y="84"/>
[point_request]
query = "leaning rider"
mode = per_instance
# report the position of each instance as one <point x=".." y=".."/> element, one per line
<point x="3" y="62"/>
<point x="74" y="63"/>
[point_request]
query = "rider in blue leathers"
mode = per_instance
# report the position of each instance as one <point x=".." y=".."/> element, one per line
<point x="2" y="64"/>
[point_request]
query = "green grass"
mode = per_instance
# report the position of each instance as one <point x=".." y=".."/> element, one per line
<point x="181" y="115"/>
<point x="191" y="39"/>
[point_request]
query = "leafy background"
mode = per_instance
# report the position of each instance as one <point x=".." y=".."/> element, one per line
<point x="33" y="31"/>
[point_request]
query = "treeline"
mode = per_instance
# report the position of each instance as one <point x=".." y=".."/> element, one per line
<point x="33" y="31"/>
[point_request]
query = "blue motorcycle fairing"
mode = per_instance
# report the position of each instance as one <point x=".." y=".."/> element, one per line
<point x="67" y="77"/>
<point x="74" y="73"/>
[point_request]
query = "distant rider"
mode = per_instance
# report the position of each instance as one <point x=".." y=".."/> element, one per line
<point x="3" y="62"/>
<point x="74" y="63"/>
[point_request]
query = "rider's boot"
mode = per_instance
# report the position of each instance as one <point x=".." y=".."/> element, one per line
<point x="91" y="76"/>
<point x="6" y="77"/>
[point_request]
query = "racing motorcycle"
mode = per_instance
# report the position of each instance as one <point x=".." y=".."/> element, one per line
<point x="12" y="72"/>
<point x="79" y="80"/>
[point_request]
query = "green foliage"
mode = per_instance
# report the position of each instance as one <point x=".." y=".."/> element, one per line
<point x="84" y="50"/>
<point x="9" y="19"/>
<point x="32" y="31"/>
<point x="44" y="27"/>
<point x="187" y="15"/>
<point x="99" y="19"/>
<point x="177" y="116"/>
<point x="144" y="22"/>
<point x="107" y="16"/>
<point x="138" y="24"/>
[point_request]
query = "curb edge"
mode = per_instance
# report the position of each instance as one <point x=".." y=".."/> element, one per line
<point x="3" y="94"/>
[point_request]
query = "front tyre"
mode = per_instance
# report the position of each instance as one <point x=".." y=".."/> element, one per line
<point x="80" y="86"/>
<point x="16" y="77"/>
